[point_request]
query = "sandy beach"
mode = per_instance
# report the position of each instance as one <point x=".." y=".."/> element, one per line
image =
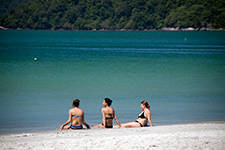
<point x="188" y="136"/>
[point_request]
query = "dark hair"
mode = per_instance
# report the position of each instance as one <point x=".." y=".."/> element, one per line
<point x="108" y="101"/>
<point x="144" y="102"/>
<point x="76" y="102"/>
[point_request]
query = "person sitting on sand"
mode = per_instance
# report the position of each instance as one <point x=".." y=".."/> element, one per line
<point x="108" y="114"/>
<point x="76" y="117"/>
<point x="142" y="119"/>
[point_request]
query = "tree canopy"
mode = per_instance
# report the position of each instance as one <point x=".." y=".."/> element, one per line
<point x="113" y="14"/>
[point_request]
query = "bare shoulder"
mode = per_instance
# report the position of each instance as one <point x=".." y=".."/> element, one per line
<point x="81" y="111"/>
<point x="103" y="109"/>
<point x="112" y="109"/>
<point x="147" y="111"/>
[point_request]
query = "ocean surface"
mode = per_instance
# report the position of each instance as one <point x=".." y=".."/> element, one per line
<point x="181" y="74"/>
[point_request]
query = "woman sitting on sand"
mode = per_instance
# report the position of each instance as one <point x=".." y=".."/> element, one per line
<point x="108" y="114"/>
<point x="142" y="119"/>
<point x="76" y="117"/>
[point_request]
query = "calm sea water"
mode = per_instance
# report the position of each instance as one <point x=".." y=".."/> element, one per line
<point x="181" y="74"/>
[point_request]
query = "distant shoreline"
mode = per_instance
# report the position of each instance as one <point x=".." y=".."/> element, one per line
<point x="162" y="29"/>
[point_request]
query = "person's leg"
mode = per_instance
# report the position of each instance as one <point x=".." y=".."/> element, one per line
<point x="130" y="125"/>
<point x="97" y="126"/>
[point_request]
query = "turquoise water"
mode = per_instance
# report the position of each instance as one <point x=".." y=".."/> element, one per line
<point x="181" y="74"/>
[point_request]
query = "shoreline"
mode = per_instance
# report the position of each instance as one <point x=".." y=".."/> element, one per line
<point x="162" y="29"/>
<point x="189" y="136"/>
<point x="161" y="125"/>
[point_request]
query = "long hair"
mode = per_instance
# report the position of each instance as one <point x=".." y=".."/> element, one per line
<point x="144" y="102"/>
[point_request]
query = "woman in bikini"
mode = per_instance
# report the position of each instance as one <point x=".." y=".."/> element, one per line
<point x="142" y="119"/>
<point x="108" y="114"/>
<point x="76" y="118"/>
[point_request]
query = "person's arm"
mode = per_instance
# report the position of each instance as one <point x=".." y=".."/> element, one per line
<point x="68" y="121"/>
<point x="84" y="121"/>
<point x="149" y="117"/>
<point x="115" y="117"/>
<point x="103" y="118"/>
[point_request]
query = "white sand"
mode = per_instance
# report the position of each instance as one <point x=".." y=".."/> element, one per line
<point x="175" y="137"/>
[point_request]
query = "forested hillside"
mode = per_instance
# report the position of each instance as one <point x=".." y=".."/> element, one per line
<point x="8" y="5"/>
<point x="114" y="14"/>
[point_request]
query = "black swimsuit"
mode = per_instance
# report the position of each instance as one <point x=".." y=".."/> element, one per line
<point x="111" y="117"/>
<point x="142" y="116"/>
<point x="106" y="126"/>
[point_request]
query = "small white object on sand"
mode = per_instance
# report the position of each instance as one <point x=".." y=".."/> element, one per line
<point x="209" y="136"/>
<point x="35" y="59"/>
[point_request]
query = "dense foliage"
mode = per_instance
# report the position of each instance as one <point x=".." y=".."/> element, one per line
<point x="115" y="14"/>
<point x="8" y="5"/>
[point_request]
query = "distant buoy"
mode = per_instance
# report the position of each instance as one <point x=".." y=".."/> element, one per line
<point x="35" y="59"/>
